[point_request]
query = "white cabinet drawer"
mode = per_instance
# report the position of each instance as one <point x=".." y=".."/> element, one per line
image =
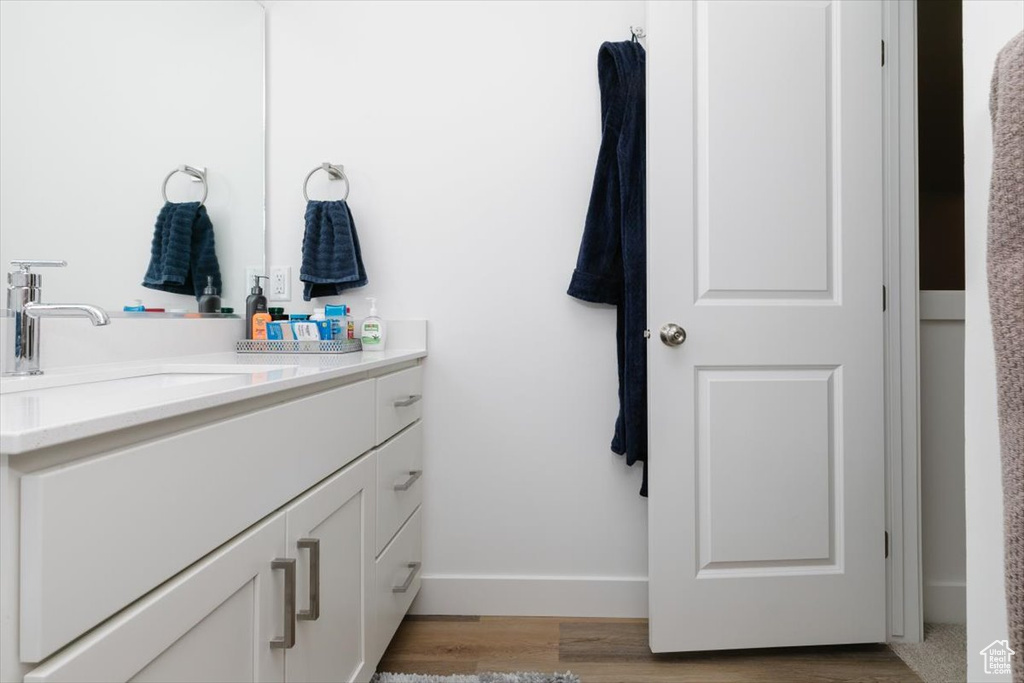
<point x="399" y="487"/>
<point x="99" y="533"/>
<point x="398" y="581"/>
<point x="399" y="402"/>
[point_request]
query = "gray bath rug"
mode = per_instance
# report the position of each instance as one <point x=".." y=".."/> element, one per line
<point x="519" y="677"/>
<point x="941" y="658"/>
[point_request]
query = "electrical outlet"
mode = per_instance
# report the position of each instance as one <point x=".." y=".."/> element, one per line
<point x="280" y="284"/>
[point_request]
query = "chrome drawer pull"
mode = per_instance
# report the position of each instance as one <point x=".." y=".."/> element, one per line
<point x="288" y="641"/>
<point x="313" y="545"/>
<point x="406" y="402"/>
<point x="415" y="567"/>
<point x="413" y="476"/>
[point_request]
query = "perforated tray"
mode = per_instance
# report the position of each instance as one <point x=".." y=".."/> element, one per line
<point x="289" y="346"/>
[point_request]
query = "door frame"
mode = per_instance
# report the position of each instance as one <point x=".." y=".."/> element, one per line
<point x="905" y="616"/>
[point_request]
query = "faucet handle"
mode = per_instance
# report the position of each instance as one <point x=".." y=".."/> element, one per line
<point x="23" y="277"/>
<point x="25" y="264"/>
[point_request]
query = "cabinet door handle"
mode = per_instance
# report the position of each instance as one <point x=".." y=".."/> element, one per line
<point x="406" y="402"/>
<point x="413" y="476"/>
<point x="313" y="613"/>
<point x="288" y="641"/>
<point x="415" y="567"/>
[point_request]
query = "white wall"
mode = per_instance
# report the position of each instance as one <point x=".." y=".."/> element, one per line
<point x="470" y="133"/>
<point x="987" y="26"/>
<point x="99" y="101"/>
<point x="943" y="528"/>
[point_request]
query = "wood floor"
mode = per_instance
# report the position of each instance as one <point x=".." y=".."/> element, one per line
<point x="615" y="651"/>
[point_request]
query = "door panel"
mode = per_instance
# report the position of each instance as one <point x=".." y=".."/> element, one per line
<point x="764" y="231"/>
<point x="765" y="244"/>
<point x="775" y="508"/>
<point x="222" y="642"/>
<point x="338" y="517"/>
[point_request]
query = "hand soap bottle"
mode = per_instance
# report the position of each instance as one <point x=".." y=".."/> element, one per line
<point x="256" y="305"/>
<point x="209" y="302"/>
<point x="372" y="332"/>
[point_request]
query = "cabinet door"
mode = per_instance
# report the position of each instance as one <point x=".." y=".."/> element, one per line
<point x="330" y="534"/>
<point x="212" y="623"/>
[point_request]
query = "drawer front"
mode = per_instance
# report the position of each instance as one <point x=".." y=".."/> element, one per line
<point x="97" y="534"/>
<point x="399" y="483"/>
<point x="399" y="402"/>
<point x="397" y="582"/>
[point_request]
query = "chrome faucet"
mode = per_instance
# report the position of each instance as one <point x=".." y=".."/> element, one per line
<point x="24" y="289"/>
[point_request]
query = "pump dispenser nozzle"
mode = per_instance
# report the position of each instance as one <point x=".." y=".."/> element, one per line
<point x="256" y="289"/>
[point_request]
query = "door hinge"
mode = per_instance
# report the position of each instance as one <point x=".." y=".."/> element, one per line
<point x="885" y="299"/>
<point x="887" y="544"/>
<point x="647" y="334"/>
<point x="883" y="53"/>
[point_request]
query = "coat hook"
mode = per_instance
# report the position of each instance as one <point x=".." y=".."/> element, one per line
<point x="638" y="33"/>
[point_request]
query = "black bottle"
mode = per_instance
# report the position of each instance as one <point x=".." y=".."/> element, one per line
<point x="209" y="302"/>
<point x="254" y="303"/>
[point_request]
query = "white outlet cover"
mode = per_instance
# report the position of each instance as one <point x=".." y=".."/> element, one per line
<point x="280" y="284"/>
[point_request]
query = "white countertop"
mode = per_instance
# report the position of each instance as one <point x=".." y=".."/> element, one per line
<point x="73" y="403"/>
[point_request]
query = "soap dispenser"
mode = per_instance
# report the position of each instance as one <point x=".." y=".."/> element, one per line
<point x="373" y="334"/>
<point x="209" y="302"/>
<point x="256" y="309"/>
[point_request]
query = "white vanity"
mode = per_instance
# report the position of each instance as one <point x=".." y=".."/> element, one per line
<point x="210" y="518"/>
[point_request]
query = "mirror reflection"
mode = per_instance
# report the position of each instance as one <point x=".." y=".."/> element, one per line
<point x="100" y="104"/>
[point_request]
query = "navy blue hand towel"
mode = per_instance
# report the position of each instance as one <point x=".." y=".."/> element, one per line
<point x="612" y="263"/>
<point x="331" y="259"/>
<point x="182" y="255"/>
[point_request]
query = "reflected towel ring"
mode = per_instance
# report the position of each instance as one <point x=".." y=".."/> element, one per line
<point x="197" y="174"/>
<point x="333" y="172"/>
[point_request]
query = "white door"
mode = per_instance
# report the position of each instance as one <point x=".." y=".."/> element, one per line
<point x="765" y="245"/>
<point x="331" y="536"/>
<point x="212" y="623"/>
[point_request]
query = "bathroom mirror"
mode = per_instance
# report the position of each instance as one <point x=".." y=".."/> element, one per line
<point x="99" y="102"/>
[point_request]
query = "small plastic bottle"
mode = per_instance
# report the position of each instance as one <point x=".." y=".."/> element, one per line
<point x="373" y="333"/>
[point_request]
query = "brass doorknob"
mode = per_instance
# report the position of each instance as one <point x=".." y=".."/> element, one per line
<point x="672" y="334"/>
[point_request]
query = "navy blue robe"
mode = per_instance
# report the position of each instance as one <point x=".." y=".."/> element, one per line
<point x="612" y="263"/>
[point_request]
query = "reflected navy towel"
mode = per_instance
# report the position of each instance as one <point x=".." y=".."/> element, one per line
<point x="331" y="259"/>
<point x="612" y="263"/>
<point x="182" y="255"/>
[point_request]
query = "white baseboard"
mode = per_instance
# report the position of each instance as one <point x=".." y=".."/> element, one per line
<point x="535" y="596"/>
<point x="945" y="602"/>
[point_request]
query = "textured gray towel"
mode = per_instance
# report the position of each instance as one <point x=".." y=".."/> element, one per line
<point x="1006" y="301"/>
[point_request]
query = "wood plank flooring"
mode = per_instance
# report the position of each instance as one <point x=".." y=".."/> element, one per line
<point x="615" y="651"/>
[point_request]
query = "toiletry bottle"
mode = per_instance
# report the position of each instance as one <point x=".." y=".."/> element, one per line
<point x="319" y="314"/>
<point x="338" y="315"/>
<point x="372" y="333"/>
<point x="209" y="302"/>
<point x="134" y="306"/>
<point x="260" y="319"/>
<point x="255" y="304"/>
<point x="277" y="313"/>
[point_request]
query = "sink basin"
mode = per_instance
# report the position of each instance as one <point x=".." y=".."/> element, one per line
<point x="144" y="377"/>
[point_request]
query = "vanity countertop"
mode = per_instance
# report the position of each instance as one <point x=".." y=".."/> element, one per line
<point x="74" y="403"/>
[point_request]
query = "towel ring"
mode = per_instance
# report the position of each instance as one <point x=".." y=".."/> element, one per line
<point x="197" y="174"/>
<point x="333" y="172"/>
